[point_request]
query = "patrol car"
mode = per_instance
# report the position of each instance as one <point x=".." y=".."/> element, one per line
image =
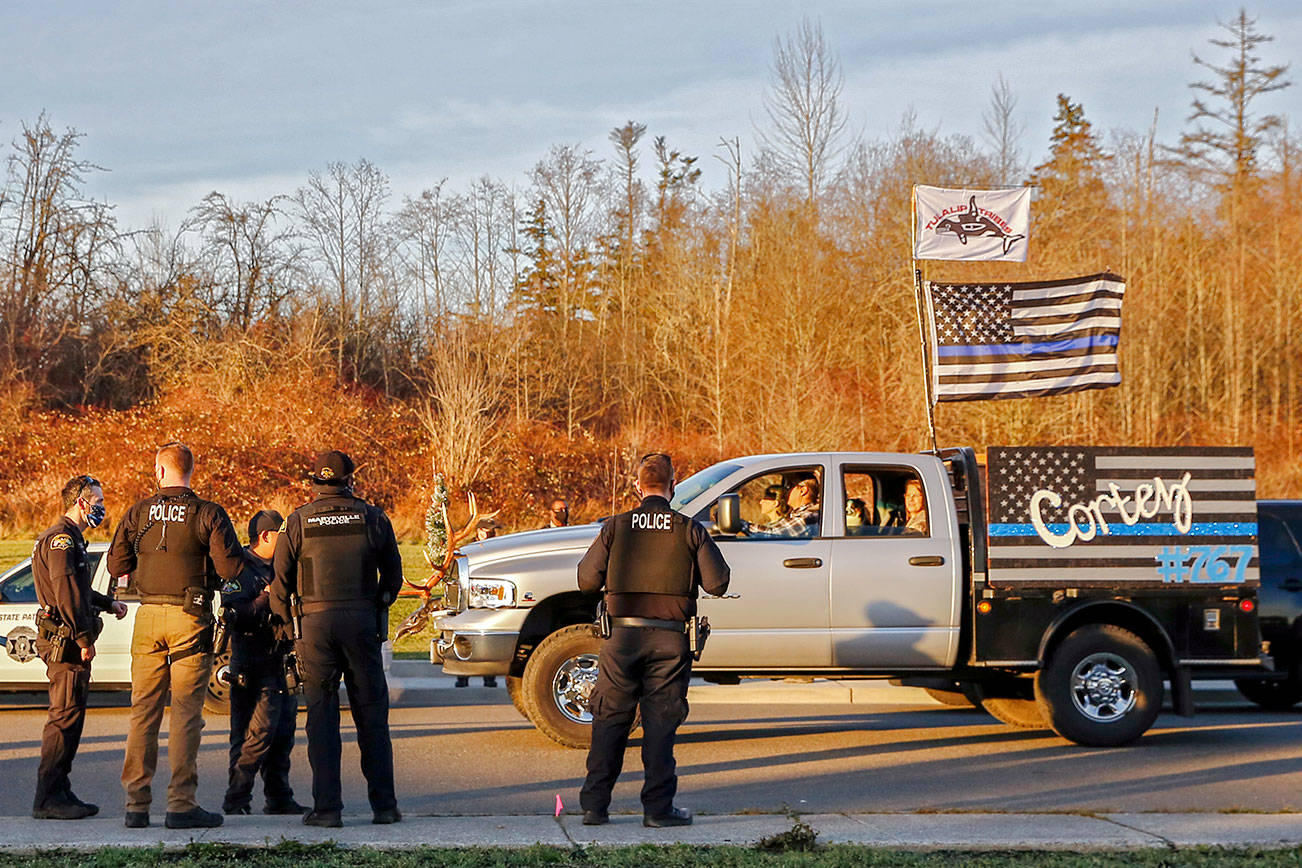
<point x="22" y="670"/>
<point x="1055" y="587"/>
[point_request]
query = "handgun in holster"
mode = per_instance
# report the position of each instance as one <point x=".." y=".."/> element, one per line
<point x="294" y="666"/>
<point x="221" y="635"/>
<point x="698" y="630"/>
<point x="602" y="623"/>
<point x="50" y="628"/>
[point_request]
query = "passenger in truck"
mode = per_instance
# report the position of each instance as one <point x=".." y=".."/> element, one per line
<point x="915" y="508"/>
<point x="773" y="504"/>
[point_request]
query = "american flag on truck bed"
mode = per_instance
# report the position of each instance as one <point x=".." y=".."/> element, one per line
<point x="1066" y="515"/>
<point x="1024" y="340"/>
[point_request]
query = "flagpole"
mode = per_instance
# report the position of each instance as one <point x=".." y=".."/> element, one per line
<point x="921" y="310"/>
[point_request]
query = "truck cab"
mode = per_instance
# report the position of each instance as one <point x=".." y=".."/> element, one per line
<point x="888" y="575"/>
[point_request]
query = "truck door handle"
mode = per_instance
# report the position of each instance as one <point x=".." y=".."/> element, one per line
<point x="927" y="561"/>
<point x="802" y="563"/>
<point x="1291" y="585"/>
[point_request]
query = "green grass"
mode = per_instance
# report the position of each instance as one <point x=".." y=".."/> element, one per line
<point x="14" y="550"/>
<point x="294" y="855"/>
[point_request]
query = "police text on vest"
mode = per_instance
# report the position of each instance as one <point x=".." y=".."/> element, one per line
<point x="653" y="520"/>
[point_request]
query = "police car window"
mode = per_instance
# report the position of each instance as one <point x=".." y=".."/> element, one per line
<point x="884" y="501"/>
<point x="1278" y="548"/>
<point x="19" y="587"/>
<point x="696" y="484"/>
<point x="765" y="504"/>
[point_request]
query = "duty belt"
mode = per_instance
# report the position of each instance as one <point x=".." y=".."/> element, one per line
<point x="653" y="623"/>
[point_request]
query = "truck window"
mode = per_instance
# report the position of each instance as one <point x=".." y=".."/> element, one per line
<point x="884" y="501"/>
<point x="1278" y="548"/>
<point x="773" y="508"/>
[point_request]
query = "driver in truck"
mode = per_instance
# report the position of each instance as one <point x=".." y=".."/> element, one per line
<point x="801" y="522"/>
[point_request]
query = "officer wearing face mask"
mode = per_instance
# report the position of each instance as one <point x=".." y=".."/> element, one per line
<point x="338" y="556"/>
<point x="67" y="626"/>
<point x="649" y="562"/>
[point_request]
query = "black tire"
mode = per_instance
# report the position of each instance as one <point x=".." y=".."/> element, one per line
<point x="1123" y="700"/>
<point x="1272" y="695"/>
<point x="955" y="697"/>
<point x="217" y="700"/>
<point x="515" y="690"/>
<point x="558" y="679"/>
<point x="1011" y="701"/>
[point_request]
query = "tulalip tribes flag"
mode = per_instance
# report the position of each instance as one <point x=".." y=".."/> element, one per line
<point x="1023" y="340"/>
<point x="971" y="224"/>
<point x="1161" y="515"/>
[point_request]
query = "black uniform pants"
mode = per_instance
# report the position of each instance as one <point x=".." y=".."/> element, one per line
<point x="263" y="719"/>
<point x="69" y="684"/>
<point x="651" y="667"/>
<point x="335" y="643"/>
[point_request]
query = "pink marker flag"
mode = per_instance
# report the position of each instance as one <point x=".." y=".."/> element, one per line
<point x="560" y="806"/>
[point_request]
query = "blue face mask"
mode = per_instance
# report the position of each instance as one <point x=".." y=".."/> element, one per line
<point x="95" y="517"/>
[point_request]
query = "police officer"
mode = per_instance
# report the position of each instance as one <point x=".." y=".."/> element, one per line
<point x="177" y="544"/>
<point x="69" y="616"/>
<point x="650" y="562"/>
<point x="327" y="557"/>
<point x="263" y="711"/>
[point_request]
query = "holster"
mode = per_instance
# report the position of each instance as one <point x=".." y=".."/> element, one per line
<point x="50" y="628"/>
<point x="293" y="673"/>
<point x="603" y="624"/>
<point x="698" y="631"/>
<point x="198" y="603"/>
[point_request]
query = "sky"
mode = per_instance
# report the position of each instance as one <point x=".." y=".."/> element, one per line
<point x="178" y="98"/>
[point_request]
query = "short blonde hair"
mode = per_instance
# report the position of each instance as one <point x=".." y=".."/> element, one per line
<point x="176" y="457"/>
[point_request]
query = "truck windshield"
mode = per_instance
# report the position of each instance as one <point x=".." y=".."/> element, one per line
<point x="688" y="490"/>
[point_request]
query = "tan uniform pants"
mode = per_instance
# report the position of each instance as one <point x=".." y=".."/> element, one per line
<point x="162" y="657"/>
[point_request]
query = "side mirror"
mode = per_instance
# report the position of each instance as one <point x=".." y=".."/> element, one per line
<point x="729" y="512"/>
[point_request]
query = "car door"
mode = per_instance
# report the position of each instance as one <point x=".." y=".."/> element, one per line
<point x="895" y="590"/>
<point x="780" y="620"/>
<point x="113" y="648"/>
<point x="19" y="664"/>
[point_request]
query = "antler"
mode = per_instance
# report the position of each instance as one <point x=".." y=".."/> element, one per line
<point x="419" y="619"/>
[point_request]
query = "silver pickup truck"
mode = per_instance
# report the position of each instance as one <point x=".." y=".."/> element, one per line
<point x="1067" y="610"/>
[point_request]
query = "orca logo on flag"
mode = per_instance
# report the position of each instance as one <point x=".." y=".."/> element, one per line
<point x="977" y="223"/>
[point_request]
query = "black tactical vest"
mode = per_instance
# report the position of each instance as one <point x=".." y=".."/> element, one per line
<point x="170" y="556"/>
<point x="649" y="553"/>
<point x="336" y="561"/>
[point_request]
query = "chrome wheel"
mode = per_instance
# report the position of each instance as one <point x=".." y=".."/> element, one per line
<point x="572" y="687"/>
<point x="1104" y="687"/>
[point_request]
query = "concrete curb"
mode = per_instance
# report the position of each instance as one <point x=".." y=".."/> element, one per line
<point x="904" y="831"/>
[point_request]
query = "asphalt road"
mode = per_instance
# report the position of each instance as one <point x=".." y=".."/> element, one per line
<point x="485" y="759"/>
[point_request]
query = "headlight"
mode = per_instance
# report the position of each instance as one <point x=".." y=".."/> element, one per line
<point x="490" y="594"/>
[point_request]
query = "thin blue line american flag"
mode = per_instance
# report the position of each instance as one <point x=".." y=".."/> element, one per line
<point x="1023" y="340"/>
<point x="1223" y="513"/>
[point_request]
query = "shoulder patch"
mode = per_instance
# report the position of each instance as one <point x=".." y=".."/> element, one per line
<point x="231" y="587"/>
<point x="61" y="541"/>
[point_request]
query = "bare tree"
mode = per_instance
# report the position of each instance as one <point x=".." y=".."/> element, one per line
<point x="803" y="105"/>
<point x="460" y="408"/>
<point x="425" y="226"/>
<point x="54" y="243"/>
<point x="1228" y="135"/>
<point x="252" y="254"/>
<point x="1003" y="131"/>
